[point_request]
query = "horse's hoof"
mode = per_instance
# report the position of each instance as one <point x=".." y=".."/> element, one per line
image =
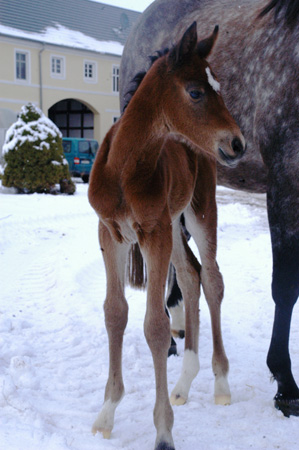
<point x="222" y="400"/>
<point x="106" y="433"/>
<point x="289" y="407"/>
<point x="178" y="333"/>
<point x="172" y="350"/>
<point x="164" y="446"/>
<point x="177" y="400"/>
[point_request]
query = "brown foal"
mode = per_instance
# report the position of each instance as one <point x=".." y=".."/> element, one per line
<point x="156" y="162"/>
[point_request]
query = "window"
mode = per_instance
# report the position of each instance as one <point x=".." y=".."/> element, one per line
<point x="94" y="147"/>
<point x="84" y="147"/>
<point x="57" y="67"/>
<point x="22" y="65"/>
<point x="115" y="79"/>
<point x="67" y="146"/>
<point x="90" y="71"/>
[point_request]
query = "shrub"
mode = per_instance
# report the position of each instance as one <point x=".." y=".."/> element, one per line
<point x="33" y="154"/>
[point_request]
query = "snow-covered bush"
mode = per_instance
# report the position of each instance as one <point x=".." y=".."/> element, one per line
<point x="33" y="154"/>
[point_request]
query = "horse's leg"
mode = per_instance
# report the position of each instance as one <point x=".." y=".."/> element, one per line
<point x="156" y="247"/>
<point x="174" y="300"/>
<point x="201" y="221"/>
<point x="116" y="314"/>
<point x="188" y="274"/>
<point x="175" y="305"/>
<point x="173" y="348"/>
<point x="284" y="219"/>
<point x="203" y="228"/>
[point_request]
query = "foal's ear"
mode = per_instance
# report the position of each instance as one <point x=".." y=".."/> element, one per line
<point x="185" y="47"/>
<point x="205" y="46"/>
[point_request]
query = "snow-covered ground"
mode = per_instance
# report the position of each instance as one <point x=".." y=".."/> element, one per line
<point x="53" y="343"/>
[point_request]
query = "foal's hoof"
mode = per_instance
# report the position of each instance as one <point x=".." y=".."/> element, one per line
<point x="172" y="350"/>
<point x="106" y="433"/>
<point x="222" y="400"/>
<point x="177" y="400"/>
<point x="289" y="407"/>
<point x="164" y="446"/>
<point x="178" y="333"/>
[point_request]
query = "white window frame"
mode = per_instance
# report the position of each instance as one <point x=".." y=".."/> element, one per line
<point x="115" y="78"/>
<point x="62" y="60"/>
<point x="94" y="65"/>
<point x="25" y="80"/>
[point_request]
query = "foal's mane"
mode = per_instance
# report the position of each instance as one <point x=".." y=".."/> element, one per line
<point x="136" y="81"/>
<point x="289" y="10"/>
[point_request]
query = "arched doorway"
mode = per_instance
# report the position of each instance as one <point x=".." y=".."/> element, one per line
<point x="73" y="118"/>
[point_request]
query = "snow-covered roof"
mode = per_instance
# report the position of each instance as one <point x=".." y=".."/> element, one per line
<point x="59" y="35"/>
<point x="73" y="23"/>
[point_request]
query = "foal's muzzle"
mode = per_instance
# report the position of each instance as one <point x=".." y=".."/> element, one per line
<point x="237" y="151"/>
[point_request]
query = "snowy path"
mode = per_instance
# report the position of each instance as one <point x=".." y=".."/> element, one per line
<point x="53" y="344"/>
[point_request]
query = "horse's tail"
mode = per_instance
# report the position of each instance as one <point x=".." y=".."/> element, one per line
<point x="136" y="269"/>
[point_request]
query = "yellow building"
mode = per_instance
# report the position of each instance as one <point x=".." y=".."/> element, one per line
<point x="63" y="56"/>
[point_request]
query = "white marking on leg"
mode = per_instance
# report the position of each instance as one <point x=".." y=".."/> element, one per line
<point x="177" y="319"/>
<point x="190" y="369"/>
<point x="222" y="392"/>
<point x="105" y="420"/>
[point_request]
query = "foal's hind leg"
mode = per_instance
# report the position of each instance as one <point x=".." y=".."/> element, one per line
<point x="174" y="299"/>
<point x="188" y="274"/>
<point x="116" y="314"/>
<point x="175" y="305"/>
<point x="202" y="226"/>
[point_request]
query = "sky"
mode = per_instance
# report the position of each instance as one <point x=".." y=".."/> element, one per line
<point x="136" y="5"/>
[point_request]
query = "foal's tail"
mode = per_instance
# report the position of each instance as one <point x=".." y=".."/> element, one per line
<point x="136" y="269"/>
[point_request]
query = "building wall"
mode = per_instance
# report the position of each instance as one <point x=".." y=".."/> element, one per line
<point x="97" y="94"/>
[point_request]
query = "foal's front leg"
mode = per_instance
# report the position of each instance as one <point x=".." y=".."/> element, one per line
<point x="116" y="315"/>
<point x="202" y="224"/>
<point x="188" y="275"/>
<point x="156" y="247"/>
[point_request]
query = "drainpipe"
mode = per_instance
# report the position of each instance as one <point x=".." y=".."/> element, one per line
<point x="40" y="77"/>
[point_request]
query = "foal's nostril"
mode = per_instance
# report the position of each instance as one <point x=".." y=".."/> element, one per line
<point x="237" y="146"/>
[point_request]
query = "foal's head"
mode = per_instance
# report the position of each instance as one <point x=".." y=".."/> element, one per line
<point x="193" y="107"/>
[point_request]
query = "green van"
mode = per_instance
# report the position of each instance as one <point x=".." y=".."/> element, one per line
<point x="80" y="154"/>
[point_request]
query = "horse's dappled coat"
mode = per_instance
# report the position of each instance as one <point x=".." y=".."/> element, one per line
<point x="257" y="62"/>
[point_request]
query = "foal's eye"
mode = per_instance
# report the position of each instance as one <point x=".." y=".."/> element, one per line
<point x="196" y="94"/>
